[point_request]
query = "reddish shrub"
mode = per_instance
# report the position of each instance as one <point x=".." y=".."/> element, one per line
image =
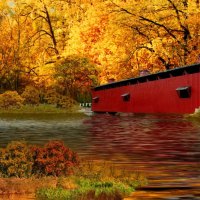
<point x="54" y="159"/>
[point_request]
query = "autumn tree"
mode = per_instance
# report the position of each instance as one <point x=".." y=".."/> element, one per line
<point x="18" y="57"/>
<point x="74" y="75"/>
<point x="164" y="32"/>
<point x="93" y="38"/>
<point x="68" y="46"/>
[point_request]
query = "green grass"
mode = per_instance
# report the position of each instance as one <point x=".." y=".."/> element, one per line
<point x="41" y="108"/>
<point x="96" y="181"/>
<point x="54" y="193"/>
<point x="87" y="189"/>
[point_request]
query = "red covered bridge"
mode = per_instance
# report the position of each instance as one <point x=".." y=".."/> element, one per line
<point x="172" y="91"/>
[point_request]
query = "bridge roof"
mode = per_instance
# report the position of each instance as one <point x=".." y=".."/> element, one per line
<point x="180" y="71"/>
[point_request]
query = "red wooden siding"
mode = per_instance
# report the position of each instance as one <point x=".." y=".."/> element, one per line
<point x="158" y="96"/>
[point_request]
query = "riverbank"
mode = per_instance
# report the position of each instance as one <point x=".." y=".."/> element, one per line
<point x="25" y="188"/>
<point x="25" y="185"/>
<point x="66" y="187"/>
<point x="41" y="108"/>
<point x="54" y="171"/>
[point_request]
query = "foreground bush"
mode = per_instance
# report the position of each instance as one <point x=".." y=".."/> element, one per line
<point x="21" y="160"/>
<point x="16" y="160"/>
<point x="11" y="99"/>
<point x="54" y="159"/>
<point x="77" y="181"/>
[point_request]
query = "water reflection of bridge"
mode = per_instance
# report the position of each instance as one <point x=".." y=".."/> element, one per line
<point x="165" y="148"/>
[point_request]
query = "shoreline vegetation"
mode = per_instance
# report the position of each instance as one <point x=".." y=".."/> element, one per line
<point x="194" y="116"/>
<point x="74" y="109"/>
<point x="40" y="109"/>
<point x="31" y="101"/>
<point x="54" y="171"/>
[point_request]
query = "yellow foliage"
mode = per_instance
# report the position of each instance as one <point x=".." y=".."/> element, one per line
<point x="11" y="99"/>
<point x="51" y="96"/>
<point x="16" y="160"/>
<point x="31" y="95"/>
<point x="61" y="101"/>
<point x="120" y="37"/>
<point x="65" y="102"/>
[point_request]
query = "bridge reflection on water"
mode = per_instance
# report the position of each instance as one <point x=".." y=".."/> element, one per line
<point x="166" y="148"/>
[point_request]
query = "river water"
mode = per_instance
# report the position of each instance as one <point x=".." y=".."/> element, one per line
<point x="166" y="148"/>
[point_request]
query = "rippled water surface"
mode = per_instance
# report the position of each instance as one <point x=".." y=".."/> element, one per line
<point x="164" y="147"/>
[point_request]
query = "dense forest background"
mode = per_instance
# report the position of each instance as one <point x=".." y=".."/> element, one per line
<point x="64" y="47"/>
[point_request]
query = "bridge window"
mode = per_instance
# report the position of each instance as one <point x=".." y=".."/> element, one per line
<point x="184" y="92"/>
<point x="95" y="99"/>
<point x="126" y="97"/>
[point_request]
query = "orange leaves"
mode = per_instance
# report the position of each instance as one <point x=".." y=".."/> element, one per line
<point x="92" y="35"/>
<point x="54" y="159"/>
<point x="11" y="99"/>
<point x="161" y="29"/>
<point x="119" y="37"/>
<point x="94" y="31"/>
<point x="21" y="160"/>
